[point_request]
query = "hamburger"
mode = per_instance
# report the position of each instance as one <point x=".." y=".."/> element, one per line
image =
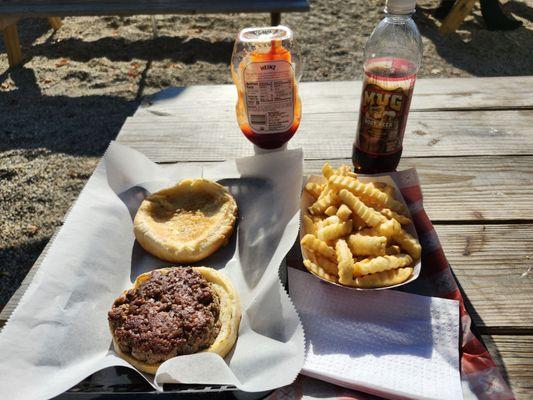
<point x="174" y="311"/>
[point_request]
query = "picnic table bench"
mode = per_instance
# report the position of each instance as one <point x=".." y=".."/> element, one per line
<point x="12" y="10"/>
<point x="471" y="141"/>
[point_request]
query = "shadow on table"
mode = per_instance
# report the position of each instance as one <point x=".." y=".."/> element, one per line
<point x="479" y="51"/>
<point x="494" y="352"/>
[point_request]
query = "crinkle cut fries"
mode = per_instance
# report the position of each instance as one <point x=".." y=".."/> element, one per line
<point x="353" y="232"/>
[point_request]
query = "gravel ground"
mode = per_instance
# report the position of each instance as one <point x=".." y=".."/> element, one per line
<point x="60" y="110"/>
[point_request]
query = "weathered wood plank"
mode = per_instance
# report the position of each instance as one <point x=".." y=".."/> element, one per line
<point x="339" y="96"/>
<point x="493" y="264"/>
<point x="35" y="8"/>
<point x="514" y="357"/>
<point x="4" y="22"/>
<point x="12" y="45"/>
<point x="458" y="188"/>
<point x="55" y="23"/>
<point x="470" y="188"/>
<point x="455" y="188"/>
<point x="329" y="136"/>
<point x="429" y="94"/>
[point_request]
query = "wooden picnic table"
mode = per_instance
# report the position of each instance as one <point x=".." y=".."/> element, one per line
<point x="471" y="141"/>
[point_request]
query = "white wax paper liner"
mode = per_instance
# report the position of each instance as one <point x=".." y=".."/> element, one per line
<point x="59" y="333"/>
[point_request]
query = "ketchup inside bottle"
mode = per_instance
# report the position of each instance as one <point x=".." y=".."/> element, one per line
<point x="268" y="107"/>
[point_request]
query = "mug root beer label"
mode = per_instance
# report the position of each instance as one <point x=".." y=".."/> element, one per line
<point x="384" y="108"/>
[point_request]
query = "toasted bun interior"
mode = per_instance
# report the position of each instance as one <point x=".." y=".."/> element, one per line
<point x="186" y="222"/>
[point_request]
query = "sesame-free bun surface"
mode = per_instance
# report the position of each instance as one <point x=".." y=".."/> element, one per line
<point x="186" y="222"/>
<point x="229" y="316"/>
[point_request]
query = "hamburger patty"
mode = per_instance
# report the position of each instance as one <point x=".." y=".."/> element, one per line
<point x="167" y="315"/>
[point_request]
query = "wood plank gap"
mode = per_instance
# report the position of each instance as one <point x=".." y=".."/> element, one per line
<point x="189" y="162"/>
<point x="420" y="157"/>
<point x="482" y="222"/>
<point x="464" y="156"/>
<point x="220" y="161"/>
<point x="514" y="356"/>
<point x="347" y="159"/>
<point x="494" y="108"/>
<point x="506" y="330"/>
<point x="458" y="156"/>
<point x="438" y="109"/>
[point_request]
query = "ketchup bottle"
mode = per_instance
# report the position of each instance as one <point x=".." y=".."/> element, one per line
<point x="266" y="68"/>
<point x="392" y="59"/>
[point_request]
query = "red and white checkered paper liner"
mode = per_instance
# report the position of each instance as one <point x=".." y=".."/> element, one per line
<point x="479" y="374"/>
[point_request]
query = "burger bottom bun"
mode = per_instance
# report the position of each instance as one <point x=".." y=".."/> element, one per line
<point x="229" y="317"/>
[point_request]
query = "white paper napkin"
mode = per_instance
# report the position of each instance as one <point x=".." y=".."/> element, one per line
<point x="388" y="343"/>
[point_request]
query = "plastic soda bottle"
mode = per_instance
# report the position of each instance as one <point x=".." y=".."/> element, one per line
<point x="392" y="59"/>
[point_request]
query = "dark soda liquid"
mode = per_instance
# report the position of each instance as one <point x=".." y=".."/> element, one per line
<point x="367" y="163"/>
<point x="387" y="90"/>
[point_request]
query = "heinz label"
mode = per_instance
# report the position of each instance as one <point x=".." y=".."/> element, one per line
<point x="269" y="96"/>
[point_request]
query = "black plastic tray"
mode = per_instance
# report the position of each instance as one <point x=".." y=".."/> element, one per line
<point x="122" y="383"/>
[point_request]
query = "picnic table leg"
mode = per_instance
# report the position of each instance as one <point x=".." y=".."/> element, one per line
<point x="457" y="14"/>
<point x="55" y="22"/>
<point x="155" y="31"/>
<point x="275" y="18"/>
<point x="12" y="43"/>
<point x="455" y="11"/>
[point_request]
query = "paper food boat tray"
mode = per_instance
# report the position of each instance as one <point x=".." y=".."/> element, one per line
<point x="306" y="200"/>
